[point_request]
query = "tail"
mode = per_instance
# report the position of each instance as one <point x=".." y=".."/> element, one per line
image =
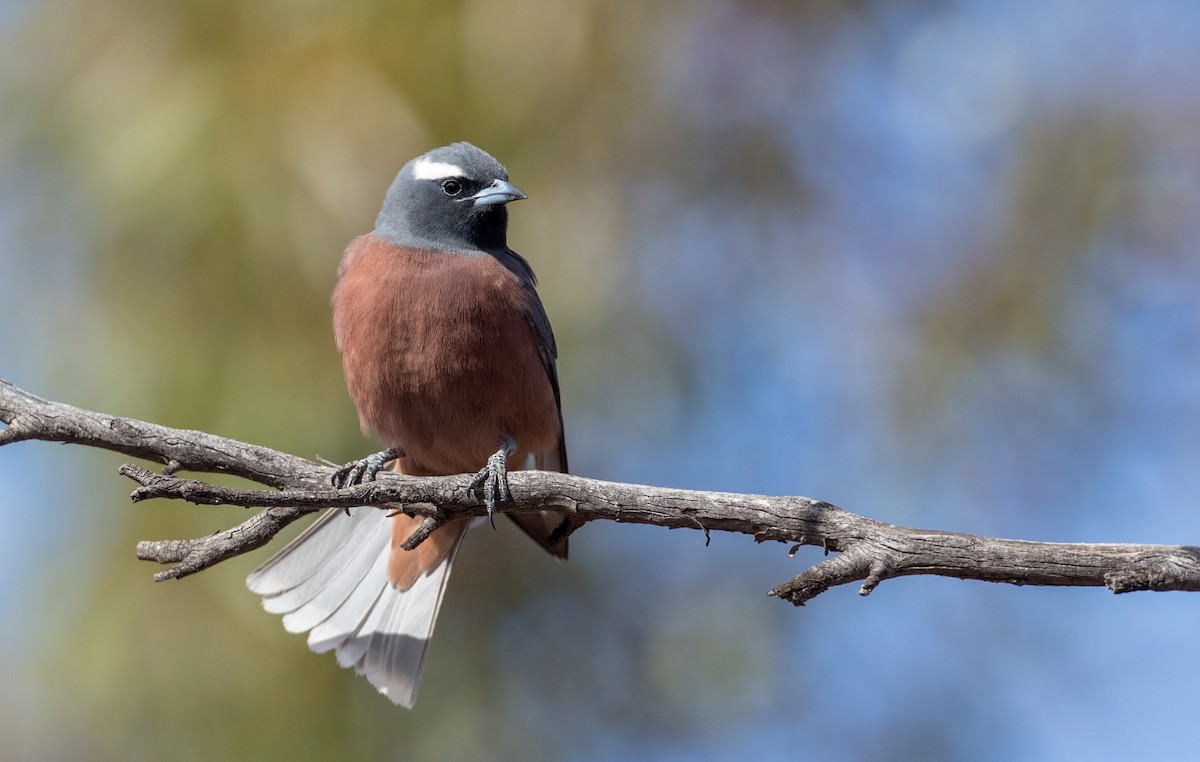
<point x="333" y="581"/>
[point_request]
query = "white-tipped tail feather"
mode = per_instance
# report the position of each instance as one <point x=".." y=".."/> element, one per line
<point x="332" y="581"/>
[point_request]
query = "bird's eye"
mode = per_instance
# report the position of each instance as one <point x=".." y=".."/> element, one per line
<point x="452" y="187"/>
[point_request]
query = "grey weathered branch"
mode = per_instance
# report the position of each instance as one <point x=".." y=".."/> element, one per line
<point x="867" y="550"/>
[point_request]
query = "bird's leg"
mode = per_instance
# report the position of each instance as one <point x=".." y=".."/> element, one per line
<point x="492" y="479"/>
<point x="364" y="470"/>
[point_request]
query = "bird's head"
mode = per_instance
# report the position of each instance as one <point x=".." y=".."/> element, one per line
<point x="452" y="198"/>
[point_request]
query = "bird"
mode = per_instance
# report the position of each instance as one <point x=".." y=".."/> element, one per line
<point x="450" y="360"/>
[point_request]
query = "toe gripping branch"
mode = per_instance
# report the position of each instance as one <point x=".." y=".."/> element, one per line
<point x="359" y="471"/>
<point x="492" y="479"/>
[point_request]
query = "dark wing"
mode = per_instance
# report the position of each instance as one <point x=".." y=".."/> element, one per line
<point x="540" y="525"/>
<point x="554" y="460"/>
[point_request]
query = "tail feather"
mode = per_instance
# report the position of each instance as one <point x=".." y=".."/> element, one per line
<point x="285" y="570"/>
<point x="350" y="616"/>
<point x="338" y="571"/>
<point x="333" y="581"/>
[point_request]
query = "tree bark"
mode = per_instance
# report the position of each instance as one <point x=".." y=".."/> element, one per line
<point x="866" y="550"/>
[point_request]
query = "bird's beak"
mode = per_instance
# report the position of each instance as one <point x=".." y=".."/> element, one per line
<point x="499" y="192"/>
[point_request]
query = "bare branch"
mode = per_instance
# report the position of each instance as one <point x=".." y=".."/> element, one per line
<point x="867" y="550"/>
<point x="31" y="417"/>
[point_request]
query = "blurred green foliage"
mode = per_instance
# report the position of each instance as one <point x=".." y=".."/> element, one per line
<point x="214" y="159"/>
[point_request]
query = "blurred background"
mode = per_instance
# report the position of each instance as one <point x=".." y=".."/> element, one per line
<point x="935" y="262"/>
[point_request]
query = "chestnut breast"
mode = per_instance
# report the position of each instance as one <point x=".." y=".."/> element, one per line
<point x="440" y="356"/>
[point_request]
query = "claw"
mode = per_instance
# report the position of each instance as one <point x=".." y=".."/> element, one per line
<point x="364" y="470"/>
<point x="492" y="479"/>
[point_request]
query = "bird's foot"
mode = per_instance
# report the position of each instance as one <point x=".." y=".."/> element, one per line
<point x="492" y="479"/>
<point x="358" y="471"/>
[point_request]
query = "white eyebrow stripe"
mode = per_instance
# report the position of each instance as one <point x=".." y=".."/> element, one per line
<point x="427" y="169"/>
